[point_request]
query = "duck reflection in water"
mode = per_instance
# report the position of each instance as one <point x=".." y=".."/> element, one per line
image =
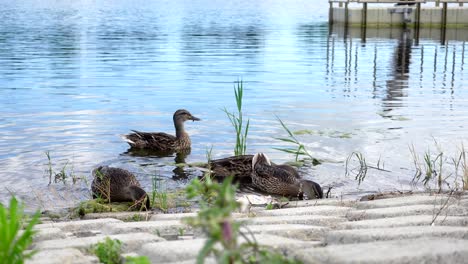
<point x="179" y="172"/>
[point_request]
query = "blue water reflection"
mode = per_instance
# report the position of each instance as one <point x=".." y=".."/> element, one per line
<point x="77" y="74"/>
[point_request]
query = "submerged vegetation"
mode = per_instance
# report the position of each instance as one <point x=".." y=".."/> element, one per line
<point x="300" y="149"/>
<point x="16" y="233"/>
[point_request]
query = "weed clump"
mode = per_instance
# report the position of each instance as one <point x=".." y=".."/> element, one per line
<point x="108" y="251"/>
<point x="16" y="233"/>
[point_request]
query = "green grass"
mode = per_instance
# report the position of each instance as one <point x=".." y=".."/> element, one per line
<point x="109" y="251"/>
<point x="137" y="260"/>
<point x="237" y="121"/>
<point x="16" y="233"/>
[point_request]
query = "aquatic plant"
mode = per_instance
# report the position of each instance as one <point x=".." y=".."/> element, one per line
<point x="238" y="122"/>
<point x="437" y="165"/>
<point x="362" y="168"/>
<point x="300" y="149"/>
<point x="64" y="173"/>
<point x="16" y="233"/>
<point x="108" y="251"/>
<point x="159" y="197"/>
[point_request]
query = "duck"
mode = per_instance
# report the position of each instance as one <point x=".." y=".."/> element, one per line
<point x="240" y="167"/>
<point x="273" y="179"/>
<point x="118" y="185"/>
<point x="163" y="142"/>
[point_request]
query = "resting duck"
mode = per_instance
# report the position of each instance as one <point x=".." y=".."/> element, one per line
<point x="240" y="167"/>
<point x="162" y="141"/>
<point x="273" y="179"/>
<point x="118" y="185"/>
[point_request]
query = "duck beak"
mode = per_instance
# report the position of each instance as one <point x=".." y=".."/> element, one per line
<point x="195" y="118"/>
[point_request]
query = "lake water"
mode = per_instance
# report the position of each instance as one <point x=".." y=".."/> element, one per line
<point x="74" y="75"/>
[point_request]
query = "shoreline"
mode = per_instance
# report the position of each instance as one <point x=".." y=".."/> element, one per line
<point x="325" y="231"/>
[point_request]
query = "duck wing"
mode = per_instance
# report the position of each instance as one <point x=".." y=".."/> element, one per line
<point x="159" y="141"/>
<point x="275" y="172"/>
<point x="238" y="166"/>
<point x="290" y="169"/>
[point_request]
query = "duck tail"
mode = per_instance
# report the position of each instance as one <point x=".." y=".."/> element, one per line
<point x="125" y="138"/>
<point x="260" y="158"/>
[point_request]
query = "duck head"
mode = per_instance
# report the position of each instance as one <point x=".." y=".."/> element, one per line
<point x="260" y="159"/>
<point x="139" y="196"/>
<point x="310" y="190"/>
<point x="183" y="115"/>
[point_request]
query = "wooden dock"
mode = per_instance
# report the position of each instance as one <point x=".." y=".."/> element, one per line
<point x="403" y="13"/>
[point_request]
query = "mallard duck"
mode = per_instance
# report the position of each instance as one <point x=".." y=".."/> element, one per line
<point x="118" y="185"/>
<point x="161" y="141"/>
<point x="240" y="167"/>
<point x="274" y="179"/>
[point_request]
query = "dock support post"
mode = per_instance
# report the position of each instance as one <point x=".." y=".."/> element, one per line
<point x="444" y="15"/>
<point x="418" y="22"/>
<point x="346" y="28"/>
<point x="364" y="22"/>
<point x="444" y="23"/>
<point x="330" y="14"/>
<point x="346" y="14"/>
<point x="364" y="15"/>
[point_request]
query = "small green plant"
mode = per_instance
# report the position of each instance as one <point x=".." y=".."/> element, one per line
<point x="13" y="241"/>
<point x="238" y="122"/>
<point x="159" y="197"/>
<point x="269" y="206"/>
<point x="109" y="251"/>
<point x="137" y="260"/>
<point x="300" y="149"/>
<point x="430" y="168"/>
<point x="63" y="174"/>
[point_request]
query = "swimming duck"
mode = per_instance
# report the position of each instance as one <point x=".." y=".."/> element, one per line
<point x="240" y="167"/>
<point x="121" y="185"/>
<point x="162" y="141"/>
<point x="281" y="180"/>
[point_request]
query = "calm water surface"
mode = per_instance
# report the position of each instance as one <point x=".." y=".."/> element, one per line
<point x="74" y="75"/>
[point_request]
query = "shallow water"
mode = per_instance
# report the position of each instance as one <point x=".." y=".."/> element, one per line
<point x="77" y="74"/>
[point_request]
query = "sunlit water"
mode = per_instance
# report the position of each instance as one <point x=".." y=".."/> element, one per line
<point x="77" y="74"/>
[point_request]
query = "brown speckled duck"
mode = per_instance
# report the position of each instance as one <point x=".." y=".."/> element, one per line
<point x="162" y="141"/>
<point x="121" y="185"/>
<point x="278" y="180"/>
<point x="240" y="167"/>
